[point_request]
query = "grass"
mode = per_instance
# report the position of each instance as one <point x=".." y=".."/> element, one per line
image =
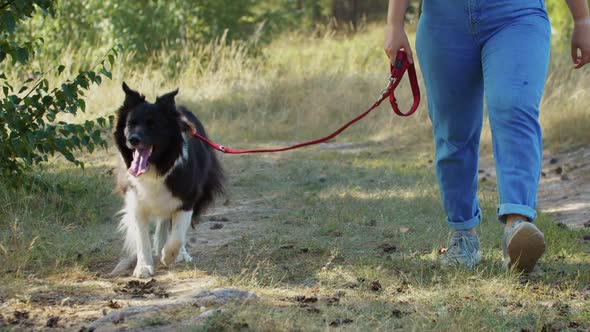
<point x="358" y="228"/>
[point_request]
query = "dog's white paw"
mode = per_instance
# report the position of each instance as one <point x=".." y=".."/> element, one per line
<point x="143" y="271"/>
<point x="183" y="256"/>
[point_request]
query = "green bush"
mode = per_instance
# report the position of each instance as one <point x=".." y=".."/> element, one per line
<point x="30" y="126"/>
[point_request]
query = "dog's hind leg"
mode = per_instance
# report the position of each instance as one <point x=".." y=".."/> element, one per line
<point x="181" y="221"/>
<point x="161" y="234"/>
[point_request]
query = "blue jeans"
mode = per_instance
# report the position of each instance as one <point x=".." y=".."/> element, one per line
<point x="468" y="49"/>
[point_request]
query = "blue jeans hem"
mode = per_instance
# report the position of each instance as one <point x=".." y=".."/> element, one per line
<point x="465" y="225"/>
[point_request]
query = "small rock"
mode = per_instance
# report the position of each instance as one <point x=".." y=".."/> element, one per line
<point x="396" y="313"/>
<point x="586" y="237"/>
<point x="52" y="321"/>
<point x="322" y="179"/>
<point x="561" y="225"/>
<point x="543" y="174"/>
<point x="216" y="226"/>
<point x="481" y="171"/>
<point x="559" y="170"/>
<point x="553" y="160"/>
<point x="587" y="224"/>
<point x="483" y="179"/>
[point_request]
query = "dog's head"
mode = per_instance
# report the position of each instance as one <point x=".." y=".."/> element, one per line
<point x="147" y="133"/>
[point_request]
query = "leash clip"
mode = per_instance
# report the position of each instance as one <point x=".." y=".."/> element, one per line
<point x="390" y="83"/>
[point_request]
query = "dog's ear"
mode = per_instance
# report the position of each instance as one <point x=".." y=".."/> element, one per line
<point x="167" y="100"/>
<point x="132" y="97"/>
<point x="186" y="125"/>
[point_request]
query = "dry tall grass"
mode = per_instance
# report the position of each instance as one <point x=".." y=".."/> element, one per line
<point x="304" y="85"/>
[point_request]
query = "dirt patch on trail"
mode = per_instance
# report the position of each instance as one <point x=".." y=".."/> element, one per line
<point x="564" y="189"/>
<point x="97" y="303"/>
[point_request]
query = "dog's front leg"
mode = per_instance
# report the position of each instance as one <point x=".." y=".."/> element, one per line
<point x="145" y="261"/>
<point x="181" y="221"/>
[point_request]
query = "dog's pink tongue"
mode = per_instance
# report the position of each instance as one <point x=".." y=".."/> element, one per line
<point x="140" y="161"/>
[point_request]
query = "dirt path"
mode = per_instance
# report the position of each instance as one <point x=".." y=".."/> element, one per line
<point x="564" y="190"/>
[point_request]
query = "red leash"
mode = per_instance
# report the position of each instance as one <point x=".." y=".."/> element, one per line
<point x="398" y="69"/>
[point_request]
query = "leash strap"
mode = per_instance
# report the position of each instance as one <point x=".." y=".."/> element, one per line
<point x="398" y="68"/>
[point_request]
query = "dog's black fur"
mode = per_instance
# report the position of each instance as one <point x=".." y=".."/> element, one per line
<point x="161" y="125"/>
<point x="170" y="177"/>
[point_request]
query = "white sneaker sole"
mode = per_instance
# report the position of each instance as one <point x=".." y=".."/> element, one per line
<point x="525" y="247"/>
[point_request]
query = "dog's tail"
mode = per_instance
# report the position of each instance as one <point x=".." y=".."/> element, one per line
<point x="128" y="227"/>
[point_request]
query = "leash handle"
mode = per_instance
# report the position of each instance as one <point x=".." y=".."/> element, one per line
<point x="398" y="68"/>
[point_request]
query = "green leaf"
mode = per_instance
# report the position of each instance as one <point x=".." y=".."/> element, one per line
<point x="22" y="54"/>
<point x="106" y="73"/>
<point x="101" y="121"/>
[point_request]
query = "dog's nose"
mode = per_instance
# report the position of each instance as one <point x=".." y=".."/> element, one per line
<point x="134" y="139"/>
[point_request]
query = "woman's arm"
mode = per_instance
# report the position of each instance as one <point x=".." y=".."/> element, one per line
<point x="395" y="36"/>
<point x="581" y="35"/>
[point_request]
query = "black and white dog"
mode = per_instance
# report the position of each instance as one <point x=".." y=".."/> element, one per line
<point x="170" y="178"/>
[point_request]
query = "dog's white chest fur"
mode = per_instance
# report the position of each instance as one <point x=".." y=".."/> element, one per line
<point x="152" y="197"/>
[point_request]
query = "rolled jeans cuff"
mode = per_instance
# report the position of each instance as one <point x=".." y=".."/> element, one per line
<point x="465" y="225"/>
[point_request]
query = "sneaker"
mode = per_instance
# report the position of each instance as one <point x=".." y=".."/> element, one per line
<point x="463" y="250"/>
<point x="522" y="246"/>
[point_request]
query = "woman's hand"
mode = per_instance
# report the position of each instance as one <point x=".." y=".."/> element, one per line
<point x="395" y="39"/>
<point x="581" y="43"/>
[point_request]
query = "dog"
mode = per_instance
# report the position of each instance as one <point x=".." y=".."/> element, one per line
<point x="170" y="177"/>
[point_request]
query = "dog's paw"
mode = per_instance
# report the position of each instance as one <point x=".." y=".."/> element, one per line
<point x="183" y="256"/>
<point x="169" y="254"/>
<point x="143" y="271"/>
